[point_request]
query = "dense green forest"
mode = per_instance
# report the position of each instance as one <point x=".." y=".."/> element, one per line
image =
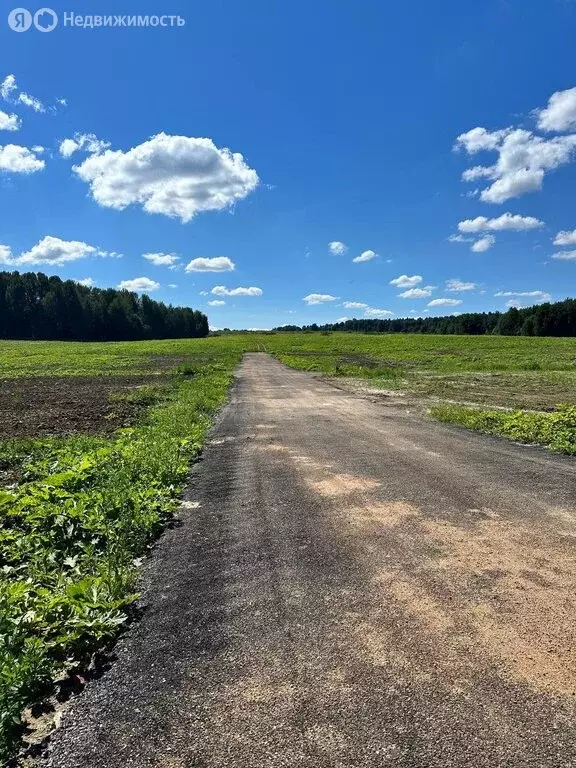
<point x="557" y="319"/>
<point x="34" y="306"/>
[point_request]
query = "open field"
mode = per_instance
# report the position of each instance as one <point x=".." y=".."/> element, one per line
<point x="96" y="441"/>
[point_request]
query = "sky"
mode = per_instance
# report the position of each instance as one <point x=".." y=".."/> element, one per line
<point x="289" y="163"/>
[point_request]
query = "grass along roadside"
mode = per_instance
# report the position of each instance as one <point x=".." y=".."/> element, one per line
<point x="73" y="532"/>
<point x="556" y="431"/>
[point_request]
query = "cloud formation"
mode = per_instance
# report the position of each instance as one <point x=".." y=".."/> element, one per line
<point x="161" y="259"/>
<point x="365" y="256"/>
<point x="444" y="302"/>
<point x="483" y="244"/>
<point x="17" y="159"/>
<point x="216" y="264"/>
<point x="508" y="221"/>
<point x="406" y="281"/>
<point x="337" y="248"/>
<point x="221" y="290"/>
<point x="139" y="285"/>
<point x="50" y="250"/>
<point x="82" y="141"/>
<point x="318" y="298"/>
<point x="177" y="176"/>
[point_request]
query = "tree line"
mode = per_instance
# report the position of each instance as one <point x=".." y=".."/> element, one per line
<point x="35" y="306"/>
<point x="558" y="319"/>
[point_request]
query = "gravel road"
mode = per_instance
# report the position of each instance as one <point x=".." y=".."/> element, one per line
<point x="350" y="585"/>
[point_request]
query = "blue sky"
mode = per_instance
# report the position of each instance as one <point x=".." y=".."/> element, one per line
<point x="342" y="122"/>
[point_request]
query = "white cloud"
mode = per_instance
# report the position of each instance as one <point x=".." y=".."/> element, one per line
<point x="514" y="303"/>
<point x="216" y="264"/>
<point x="318" y="298"/>
<point x="523" y="160"/>
<point x="221" y="290"/>
<point x="354" y="305"/>
<point x="560" y="114"/>
<point x="342" y="320"/>
<point x="216" y="303"/>
<point x="32" y="102"/>
<point x="365" y="256"/>
<point x="87" y="282"/>
<point x="9" y="122"/>
<point x="10" y="92"/>
<point x="337" y="248"/>
<point x="371" y="312"/>
<point x="7" y="87"/>
<point x="507" y="221"/>
<point x="565" y="255"/>
<point x="53" y="250"/>
<point x="177" y="176"/>
<point x="458" y="239"/>
<point x="49" y="250"/>
<point x="139" y="285"/>
<point x="86" y="141"/>
<point x="16" y="159"/>
<point x="444" y="302"/>
<point x="538" y="295"/>
<point x="565" y="238"/>
<point x="483" y="244"/>
<point x="459" y="285"/>
<point x="161" y="259"/>
<point x="405" y="281"/>
<point x="417" y="293"/>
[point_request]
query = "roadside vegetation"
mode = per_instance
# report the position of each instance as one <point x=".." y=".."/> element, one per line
<point x="556" y="431"/>
<point x="96" y="441"/>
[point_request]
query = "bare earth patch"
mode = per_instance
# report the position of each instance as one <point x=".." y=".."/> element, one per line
<point x="42" y="406"/>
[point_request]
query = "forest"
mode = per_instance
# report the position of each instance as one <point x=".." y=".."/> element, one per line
<point x="558" y="319"/>
<point x="35" y="306"/>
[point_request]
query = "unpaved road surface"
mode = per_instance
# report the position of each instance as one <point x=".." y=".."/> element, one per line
<point x="350" y="585"/>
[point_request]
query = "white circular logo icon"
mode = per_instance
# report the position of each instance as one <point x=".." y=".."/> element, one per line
<point x="45" y="20"/>
<point x="20" y="20"/>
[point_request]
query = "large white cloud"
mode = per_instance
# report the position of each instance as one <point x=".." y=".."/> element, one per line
<point x="565" y="238"/>
<point x="221" y="290"/>
<point x="86" y="141"/>
<point x="523" y="160"/>
<point x="444" y="302"/>
<point x="365" y="256"/>
<point x="161" y="259"/>
<point x="337" y="248"/>
<point x="216" y="264"/>
<point x="17" y="159"/>
<point x="406" y="281"/>
<point x="318" y="298"/>
<point x="9" y="122"/>
<point x="565" y="255"/>
<point x="49" y="250"/>
<point x="139" y="285"/>
<point x="507" y="221"/>
<point x="560" y="114"/>
<point x="178" y="176"/>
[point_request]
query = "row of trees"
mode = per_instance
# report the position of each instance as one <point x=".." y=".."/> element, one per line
<point x="557" y="319"/>
<point x="34" y="306"/>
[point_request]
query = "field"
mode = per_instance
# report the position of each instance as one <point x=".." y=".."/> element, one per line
<point x="96" y="441"/>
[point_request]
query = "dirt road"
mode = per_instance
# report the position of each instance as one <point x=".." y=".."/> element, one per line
<point x="350" y="585"/>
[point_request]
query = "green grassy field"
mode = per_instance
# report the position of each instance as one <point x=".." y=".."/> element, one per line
<point x="81" y="499"/>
